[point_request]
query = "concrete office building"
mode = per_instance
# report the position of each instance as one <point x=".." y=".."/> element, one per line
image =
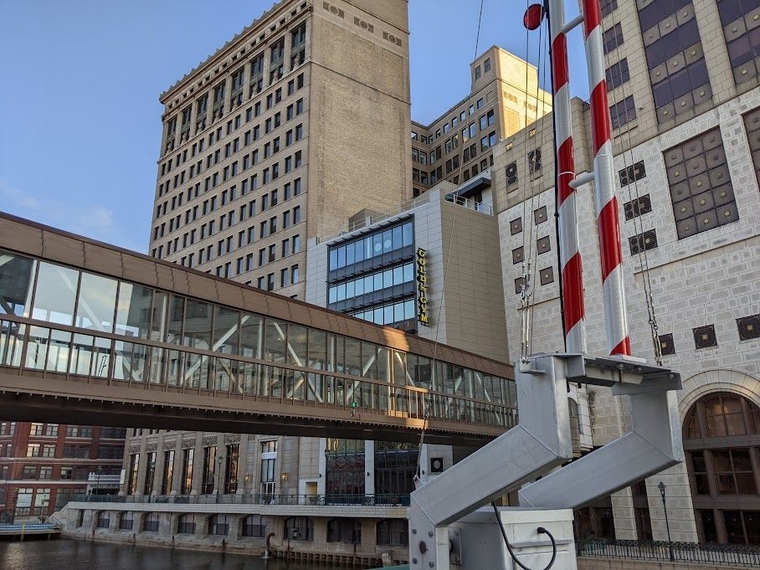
<point x="686" y="123"/>
<point x="256" y="139"/>
<point x="504" y="98"/>
<point x="432" y="269"/>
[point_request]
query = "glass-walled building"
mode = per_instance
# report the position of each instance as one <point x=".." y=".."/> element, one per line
<point x="433" y="270"/>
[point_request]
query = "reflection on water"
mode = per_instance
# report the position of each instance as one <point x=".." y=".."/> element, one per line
<point x="77" y="555"/>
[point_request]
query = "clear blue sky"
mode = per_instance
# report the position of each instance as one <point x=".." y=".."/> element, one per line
<point x="80" y="121"/>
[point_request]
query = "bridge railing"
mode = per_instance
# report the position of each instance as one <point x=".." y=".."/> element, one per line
<point x="66" y="353"/>
<point x="254" y="499"/>
<point x="709" y="554"/>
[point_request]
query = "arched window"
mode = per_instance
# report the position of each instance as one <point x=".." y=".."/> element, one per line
<point x="150" y="522"/>
<point x="186" y="524"/>
<point x="126" y="520"/>
<point x="299" y="528"/>
<point x="218" y="525"/>
<point x="254" y="525"/>
<point x="104" y="519"/>
<point x="722" y="443"/>
<point x="344" y="530"/>
<point x="393" y="532"/>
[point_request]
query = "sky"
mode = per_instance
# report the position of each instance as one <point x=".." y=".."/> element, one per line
<point x="80" y="119"/>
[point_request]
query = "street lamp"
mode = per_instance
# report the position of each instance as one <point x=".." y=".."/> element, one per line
<point x="219" y="461"/>
<point x="661" y="487"/>
<point x="98" y="469"/>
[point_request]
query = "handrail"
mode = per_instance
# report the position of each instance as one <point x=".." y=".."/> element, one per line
<point x="325" y="500"/>
<point x="692" y="552"/>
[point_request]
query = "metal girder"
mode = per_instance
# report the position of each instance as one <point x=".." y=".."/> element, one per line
<point x="654" y="444"/>
<point x="542" y="441"/>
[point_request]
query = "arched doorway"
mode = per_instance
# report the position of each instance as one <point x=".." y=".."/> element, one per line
<point x="721" y="437"/>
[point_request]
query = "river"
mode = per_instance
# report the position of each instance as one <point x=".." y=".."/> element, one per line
<point x="77" y="555"/>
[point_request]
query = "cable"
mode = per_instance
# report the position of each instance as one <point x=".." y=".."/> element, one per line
<point x="477" y="37"/>
<point x="539" y="530"/>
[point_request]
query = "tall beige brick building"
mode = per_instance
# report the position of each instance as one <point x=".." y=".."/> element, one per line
<point x="683" y="82"/>
<point x="260" y="147"/>
<point x="504" y="98"/>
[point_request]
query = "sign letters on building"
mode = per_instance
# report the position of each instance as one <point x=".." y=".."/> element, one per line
<point x="422" y="314"/>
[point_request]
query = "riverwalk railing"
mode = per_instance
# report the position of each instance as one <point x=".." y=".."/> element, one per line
<point x="329" y="499"/>
<point x="709" y="554"/>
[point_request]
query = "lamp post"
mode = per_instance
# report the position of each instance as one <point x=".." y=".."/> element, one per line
<point x="661" y="487"/>
<point x="98" y="469"/>
<point x="219" y="461"/>
<point x="246" y="482"/>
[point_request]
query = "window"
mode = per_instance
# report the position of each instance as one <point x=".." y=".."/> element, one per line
<point x="632" y="173"/>
<point x="737" y="20"/>
<point x="103" y="520"/>
<point x="254" y="526"/>
<point x="344" y="530"/>
<point x="393" y="532"/>
<point x="299" y="528"/>
<point x="543" y="245"/>
<point x="700" y="185"/>
<point x="637" y="207"/>
<point x="617" y="74"/>
<point x="218" y="108"/>
<point x="642" y="242"/>
<point x="150" y="522"/>
<point x="511" y="173"/>
<point x="219" y="525"/>
<point x="612" y="38"/>
<point x="277" y="60"/>
<point x="237" y="88"/>
<point x="298" y="46"/>
<point x="749" y="327"/>
<point x="534" y="161"/>
<point x="256" y="83"/>
<point x="539" y="215"/>
<point x="622" y="112"/>
<point x="126" y="520"/>
<point x="667" y="346"/>
<point x="722" y="440"/>
<point x="608" y="6"/>
<point x="675" y="57"/>
<point x="704" y="337"/>
<point x="201" y="109"/>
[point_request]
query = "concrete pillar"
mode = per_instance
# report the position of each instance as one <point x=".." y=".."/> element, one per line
<point x="369" y="535"/>
<point x="177" y="468"/>
<point x="683" y="527"/>
<point x="244" y="472"/>
<point x="369" y="467"/>
<point x="624" y="515"/>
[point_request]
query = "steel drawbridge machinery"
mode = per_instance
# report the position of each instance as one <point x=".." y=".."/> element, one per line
<point x="448" y="526"/>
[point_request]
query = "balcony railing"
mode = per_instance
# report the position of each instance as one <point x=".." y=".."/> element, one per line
<point x="255" y="499"/>
<point x="708" y="554"/>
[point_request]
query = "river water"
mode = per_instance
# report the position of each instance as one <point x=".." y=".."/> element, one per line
<point x="76" y="555"/>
